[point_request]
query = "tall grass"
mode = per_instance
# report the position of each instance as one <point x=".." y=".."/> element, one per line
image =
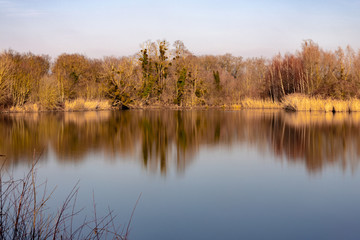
<point x="299" y="102"/>
<point x="28" y="107"/>
<point x="25" y="215"/>
<point x="81" y="104"/>
<point x="69" y="106"/>
<point x="292" y="102"/>
<point x="256" y="104"/>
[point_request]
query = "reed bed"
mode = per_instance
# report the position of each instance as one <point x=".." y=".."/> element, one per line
<point x="292" y="102"/>
<point x="75" y="105"/>
<point x="299" y="102"/>
<point x="354" y="105"/>
<point x="86" y="105"/>
<point x="25" y="108"/>
<point x="256" y="104"/>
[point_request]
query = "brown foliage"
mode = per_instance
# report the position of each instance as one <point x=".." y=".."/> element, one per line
<point x="159" y="75"/>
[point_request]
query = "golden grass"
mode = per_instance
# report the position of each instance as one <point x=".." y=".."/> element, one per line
<point x="29" y="107"/>
<point x="340" y="105"/>
<point x="235" y="106"/>
<point x="256" y="104"/>
<point x="354" y="105"/>
<point x="75" y="105"/>
<point x="299" y="102"/>
<point x="292" y="102"/>
<point x="86" y="105"/>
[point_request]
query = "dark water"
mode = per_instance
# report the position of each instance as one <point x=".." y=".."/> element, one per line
<point x="202" y="174"/>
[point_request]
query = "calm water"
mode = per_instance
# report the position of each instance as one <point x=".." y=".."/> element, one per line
<point x="202" y="174"/>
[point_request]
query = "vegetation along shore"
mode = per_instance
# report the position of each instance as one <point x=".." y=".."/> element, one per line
<point x="161" y="75"/>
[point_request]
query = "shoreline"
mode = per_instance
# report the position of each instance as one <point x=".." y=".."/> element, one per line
<point x="291" y="103"/>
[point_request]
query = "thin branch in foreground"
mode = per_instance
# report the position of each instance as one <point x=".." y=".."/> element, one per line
<point x="25" y="214"/>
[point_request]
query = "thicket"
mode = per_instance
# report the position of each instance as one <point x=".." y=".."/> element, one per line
<point x="162" y="75"/>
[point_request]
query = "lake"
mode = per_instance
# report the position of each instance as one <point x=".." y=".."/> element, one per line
<point x="210" y="174"/>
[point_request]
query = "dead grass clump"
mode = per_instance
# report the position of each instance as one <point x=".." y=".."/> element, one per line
<point x="31" y="107"/>
<point x="328" y="106"/>
<point x="81" y="104"/>
<point x="297" y="102"/>
<point x="75" y="105"/>
<point x="97" y="105"/>
<point x="28" y="107"/>
<point x="340" y="106"/>
<point x="235" y="106"/>
<point x="300" y="102"/>
<point x="354" y="105"/>
<point x="332" y="105"/>
<point x="317" y="104"/>
<point x="258" y="104"/>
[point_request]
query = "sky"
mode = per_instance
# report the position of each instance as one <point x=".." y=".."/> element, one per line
<point x="118" y="28"/>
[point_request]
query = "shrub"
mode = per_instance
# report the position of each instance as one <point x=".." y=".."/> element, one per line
<point x="48" y="93"/>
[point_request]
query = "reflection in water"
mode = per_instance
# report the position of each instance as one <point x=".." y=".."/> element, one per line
<point x="164" y="139"/>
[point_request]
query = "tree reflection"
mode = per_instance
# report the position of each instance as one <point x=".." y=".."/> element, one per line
<point x="160" y="140"/>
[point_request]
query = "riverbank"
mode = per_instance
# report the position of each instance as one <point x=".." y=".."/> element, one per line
<point x="68" y="106"/>
<point x="293" y="102"/>
<point x="300" y="103"/>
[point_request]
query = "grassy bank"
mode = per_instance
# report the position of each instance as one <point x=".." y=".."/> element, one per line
<point x="293" y="102"/>
<point x="256" y="104"/>
<point x="298" y="102"/>
<point x="69" y="106"/>
<point x="87" y="105"/>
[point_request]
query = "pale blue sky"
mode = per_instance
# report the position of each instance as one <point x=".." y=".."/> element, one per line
<point x="243" y="28"/>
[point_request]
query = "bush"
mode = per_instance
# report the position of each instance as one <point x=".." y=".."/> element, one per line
<point x="48" y="93"/>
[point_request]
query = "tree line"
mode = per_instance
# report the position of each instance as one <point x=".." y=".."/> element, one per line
<point x="170" y="75"/>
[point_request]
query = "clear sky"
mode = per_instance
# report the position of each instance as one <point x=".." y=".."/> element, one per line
<point x="118" y="27"/>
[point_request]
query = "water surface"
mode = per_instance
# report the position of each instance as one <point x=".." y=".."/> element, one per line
<point x="202" y="174"/>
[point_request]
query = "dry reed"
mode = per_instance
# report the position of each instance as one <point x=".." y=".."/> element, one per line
<point x="299" y="102"/>
<point x="256" y="104"/>
<point x="25" y="215"/>
<point x="86" y="105"/>
<point x="29" y="107"/>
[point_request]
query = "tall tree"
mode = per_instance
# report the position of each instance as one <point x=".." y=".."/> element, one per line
<point x="5" y="73"/>
<point x="70" y="70"/>
<point x="120" y="74"/>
